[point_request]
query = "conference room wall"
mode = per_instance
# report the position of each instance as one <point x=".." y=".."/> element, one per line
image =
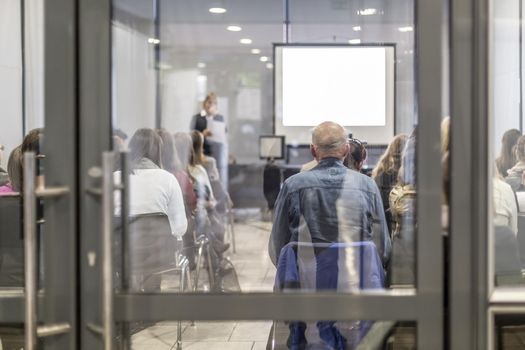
<point x="506" y="65"/>
<point x="10" y="76"/>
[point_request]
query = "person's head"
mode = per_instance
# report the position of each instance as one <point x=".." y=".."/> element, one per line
<point x="329" y="140"/>
<point x="390" y="161"/>
<point x="445" y="135"/>
<point x="520" y="149"/>
<point x="197" y="156"/>
<point x="407" y="170"/>
<point x="145" y="143"/>
<point x="183" y="148"/>
<point x="32" y="141"/>
<point x="170" y="159"/>
<point x="507" y="157"/>
<point x="356" y="155"/>
<point x="14" y="169"/>
<point x="210" y="104"/>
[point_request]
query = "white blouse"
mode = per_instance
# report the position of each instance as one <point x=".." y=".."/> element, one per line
<point x="505" y="208"/>
<point x="155" y="191"/>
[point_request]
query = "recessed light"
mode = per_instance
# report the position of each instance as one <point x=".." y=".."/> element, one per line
<point x="245" y="41"/>
<point x="263" y="59"/>
<point x="234" y="28"/>
<point x="269" y="65"/>
<point x="153" y="41"/>
<point x="217" y="10"/>
<point x="356" y="28"/>
<point x="367" y="12"/>
<point x="201" y="65"/>
<point x="354" y="41"/>
<point x="256" y="51"/>
<point x="405" y="29"/>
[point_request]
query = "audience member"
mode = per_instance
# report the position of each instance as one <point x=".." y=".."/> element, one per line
<point x="4" y="177"/>
<point x="152" y="189"/>
<point x="205" y="216"/>
<point x="515" y="174"/>
<point x="386" y="171"/>
<point x="505" y="206"/>
<point x="14" y="169"/>
<point x="507" y="159"/>
<point x="308" y="201"/>
<point x="356" y="155"/>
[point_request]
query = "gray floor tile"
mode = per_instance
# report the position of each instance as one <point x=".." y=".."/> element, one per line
<point x="209" y="332"/>
<point x="251" y="331"/>
<point x="218" y="346"/>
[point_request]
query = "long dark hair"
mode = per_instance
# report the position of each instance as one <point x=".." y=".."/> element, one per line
<point x="170" y="159"/>
<point x="145" y="143"/>
<point x="197" y="156"/>
<point x="507" y="159"/>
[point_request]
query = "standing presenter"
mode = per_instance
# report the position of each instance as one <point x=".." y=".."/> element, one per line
<point x="213" y="126"/>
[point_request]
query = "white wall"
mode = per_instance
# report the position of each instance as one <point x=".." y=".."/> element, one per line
<point x="180" y="100"/>
<point x="133" y="80"/>
<point x="505" y="56"/>
<point x="10" y="76"/>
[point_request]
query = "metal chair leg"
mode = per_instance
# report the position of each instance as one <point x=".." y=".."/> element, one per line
<point x="211" y="275"/>
<point x="232" y="231"/>
<point x="183" y="272"/>
<point x="198" y="269"/>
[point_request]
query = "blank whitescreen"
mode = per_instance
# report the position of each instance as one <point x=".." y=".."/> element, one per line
<point x="345" y="85"/>
<point x="350" y="85"/>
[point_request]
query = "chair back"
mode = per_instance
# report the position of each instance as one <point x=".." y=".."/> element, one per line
<point x="11" y="242"/>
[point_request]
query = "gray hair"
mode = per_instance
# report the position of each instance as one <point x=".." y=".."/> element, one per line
<point x="329" y="136"/>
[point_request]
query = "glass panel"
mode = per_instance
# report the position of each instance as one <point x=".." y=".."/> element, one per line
<point x="508" y="145"/>
<point x="509" y="332"/>
<point x="245" y="335"/>
<point x="202" y="93"/>
<point x="11" y="336"/>
<point x="21" y="94"/>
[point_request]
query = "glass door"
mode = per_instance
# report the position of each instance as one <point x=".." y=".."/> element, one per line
<point x="38" y="177"/>
<point x="197" y="227"/>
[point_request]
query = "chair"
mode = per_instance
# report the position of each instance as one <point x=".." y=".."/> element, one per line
<point x="149" y="251"/>
<point x="224" y="207"/>
<point x="11" y="242"/>
<point x="344" y="267"/>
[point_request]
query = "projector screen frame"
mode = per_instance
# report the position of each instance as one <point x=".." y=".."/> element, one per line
<point x="307" y="44"/>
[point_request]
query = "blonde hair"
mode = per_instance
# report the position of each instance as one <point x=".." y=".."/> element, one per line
<point x="445" y="135"/>
<point x="390" y="161"/>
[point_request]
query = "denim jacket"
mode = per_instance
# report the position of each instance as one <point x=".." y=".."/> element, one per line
<point x="329" y="204"/>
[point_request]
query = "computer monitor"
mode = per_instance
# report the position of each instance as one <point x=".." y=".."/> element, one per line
<point x="271" y="146"/>
<point x="374" y="153"/>
<point x="298" y="154"/>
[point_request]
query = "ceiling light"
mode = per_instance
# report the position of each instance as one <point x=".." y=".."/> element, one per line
<point x="367" y="12"/>
<point x="245" y="41"/>
<point x="269" y="65"/>
<point x="405" y="29"/>
<point x="217" y="10"/>
<point x="153" y="41"/>
<point x="263" y="59"/>
<point x="354" y="41"/>
<point x="356" y="28"/>
<point x="234" y="28"/>
<point x="201" y="65"/>
<point x="256" y="51"/>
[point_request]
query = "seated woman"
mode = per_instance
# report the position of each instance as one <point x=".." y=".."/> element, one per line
<point x="205" y="217"/>
<point x="386" y="171"/>
<point x="152" y="189"/>
<point x="14" y="170"/>
<point x="515" y="174"/>
<point x="172" y="164"/>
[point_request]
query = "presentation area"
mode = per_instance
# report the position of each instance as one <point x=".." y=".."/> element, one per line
<point x="348" y="84"/>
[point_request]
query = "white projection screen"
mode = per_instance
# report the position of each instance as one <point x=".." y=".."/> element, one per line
<point x="352" y="85"/>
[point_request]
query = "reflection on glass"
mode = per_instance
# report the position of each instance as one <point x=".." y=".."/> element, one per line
<point x="509" y="332"/>
<point x="206" y="203"/>
<point x="274" y="335"/>
<point x="508" y="157"/>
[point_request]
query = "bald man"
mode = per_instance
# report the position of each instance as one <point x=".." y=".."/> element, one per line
<point x="310" y="203"/>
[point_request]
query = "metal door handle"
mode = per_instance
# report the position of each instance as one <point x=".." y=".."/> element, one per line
<point x="32" y="331"/>
<point x="108" y="187"/>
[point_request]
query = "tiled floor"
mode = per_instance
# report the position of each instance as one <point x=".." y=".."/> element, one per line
<point x="255" y="273"/>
